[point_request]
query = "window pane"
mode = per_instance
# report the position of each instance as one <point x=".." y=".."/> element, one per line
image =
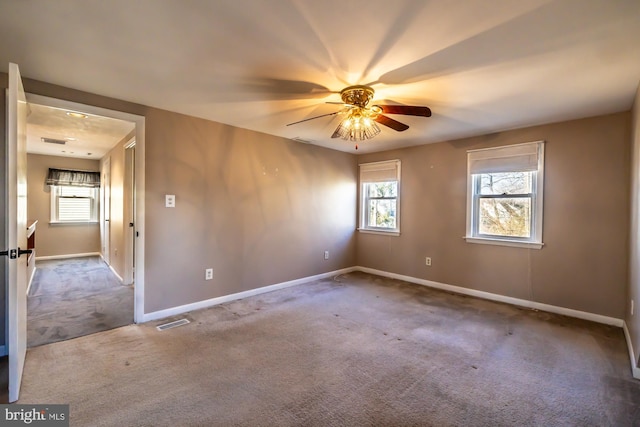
<point x="74" y="209"/>
<point x="509" y="217"/>
<point x="505" y="183"/>
<point x="383" y="189"/>
<point x="382" y="213"/>
<point x="74" y="203"/>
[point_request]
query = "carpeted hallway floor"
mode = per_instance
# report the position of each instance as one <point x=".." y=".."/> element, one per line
<point x="74" y="297"/>
<point x="360" y="350"/>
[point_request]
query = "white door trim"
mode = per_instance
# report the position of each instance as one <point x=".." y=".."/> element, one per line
<point x="130" y="211"/>
<point x="105" y="209"/>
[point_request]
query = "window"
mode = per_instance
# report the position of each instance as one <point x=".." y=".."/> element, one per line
<point x="74" y="195"/>
<point x="380" y="197"/>
<point x="73" y="204"/>
<point x="504" y="203"/>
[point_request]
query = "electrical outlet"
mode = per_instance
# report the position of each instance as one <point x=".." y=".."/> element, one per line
<point x="208" y="274"/>
<point x="170" y="201"/>
<point x="427" y="261"/>
<point x="326" y="254"/>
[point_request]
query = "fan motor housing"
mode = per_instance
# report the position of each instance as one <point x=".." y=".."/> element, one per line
<point x="357" y="95"/>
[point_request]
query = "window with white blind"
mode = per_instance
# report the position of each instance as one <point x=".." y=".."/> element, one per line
<point x="73" y="204"/>
<point x="380" y="197"/>
<point x="504" y="201"/>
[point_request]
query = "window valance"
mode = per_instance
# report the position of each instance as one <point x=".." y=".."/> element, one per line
<point x="73" y="178"/>
<point x="510" y="158"/>
<point x="380" y="171"/>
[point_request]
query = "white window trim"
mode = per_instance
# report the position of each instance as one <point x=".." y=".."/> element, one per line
<point x="363" y="210"/>
<point x="535" y="242"/>
<point x="53" y="217"/>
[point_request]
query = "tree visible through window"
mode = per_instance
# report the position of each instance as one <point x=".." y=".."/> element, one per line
<point x="505" y="204"/>
<point x="382" y="199"/>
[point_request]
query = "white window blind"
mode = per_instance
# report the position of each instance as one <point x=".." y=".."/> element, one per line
<point x="380" y="171"/>
<point x="511" y="158"/>
<point x="73" y="204"/>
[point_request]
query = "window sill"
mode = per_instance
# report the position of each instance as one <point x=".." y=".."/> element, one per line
<point x="504" y="242"/>
<point x="380" y="232"/>
<point x="56" y="223"/>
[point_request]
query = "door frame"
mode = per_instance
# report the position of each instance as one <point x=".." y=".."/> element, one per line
<point x="129" y="204"/>
<point x="105" y="209"/>
<point x="139" y="182"/>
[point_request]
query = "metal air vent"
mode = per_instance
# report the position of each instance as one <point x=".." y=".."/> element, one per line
<point x="170" y="325"/>
<point x="53" y="141"/>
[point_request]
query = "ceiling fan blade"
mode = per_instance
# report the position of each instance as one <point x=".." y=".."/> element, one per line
<point x="393" y="124"/>
<point x="264" y="88"/>
<point x="313" y="118"/>
<point x="407" y="110"/>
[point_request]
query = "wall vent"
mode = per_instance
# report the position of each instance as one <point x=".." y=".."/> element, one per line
<point x="170" y="325"/>
<point x="53" y="141"/>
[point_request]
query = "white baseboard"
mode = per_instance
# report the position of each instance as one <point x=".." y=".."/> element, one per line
<point x="116" y="273"/>
<point x="500" y="298"/>
<point x="174" y="311"/>
<point x="635" y="370"/>
<point x="82" y="255"/>
<point x="3" y="350"/>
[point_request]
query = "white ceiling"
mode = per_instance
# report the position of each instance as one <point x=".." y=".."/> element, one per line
<point x="89" y="136"/>
<point x="481" y="66"/>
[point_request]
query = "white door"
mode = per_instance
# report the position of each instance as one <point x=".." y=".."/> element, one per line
<point x="106" y="203"/>
<point x="16" y="206"/>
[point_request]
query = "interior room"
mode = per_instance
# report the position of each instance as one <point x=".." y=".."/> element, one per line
<point x="343" y="213"/>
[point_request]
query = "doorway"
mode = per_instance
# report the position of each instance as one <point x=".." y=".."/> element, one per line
<point x="116" y="250"/>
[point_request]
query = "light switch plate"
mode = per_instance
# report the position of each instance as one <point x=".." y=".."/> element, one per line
<point x="170" y="201"/>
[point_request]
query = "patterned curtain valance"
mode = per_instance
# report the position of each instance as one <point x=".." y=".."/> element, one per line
<point x="73" y="178"/>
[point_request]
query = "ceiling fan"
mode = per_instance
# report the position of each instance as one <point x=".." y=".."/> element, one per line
<point x="360" y="121"/>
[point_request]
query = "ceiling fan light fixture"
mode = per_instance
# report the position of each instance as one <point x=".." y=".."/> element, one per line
<point x="357" y="127"/>
<point x="360" y="121"/>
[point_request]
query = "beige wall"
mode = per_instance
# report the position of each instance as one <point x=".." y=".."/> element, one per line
<point x="633" y="321"/>
<point x="257" y="209"/>
<point x="57" y="239"/>
<point x="583" y="265"/>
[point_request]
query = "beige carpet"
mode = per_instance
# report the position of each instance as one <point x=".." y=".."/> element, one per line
<point x="360" y="350"/>
<point x="73" y="297"/>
